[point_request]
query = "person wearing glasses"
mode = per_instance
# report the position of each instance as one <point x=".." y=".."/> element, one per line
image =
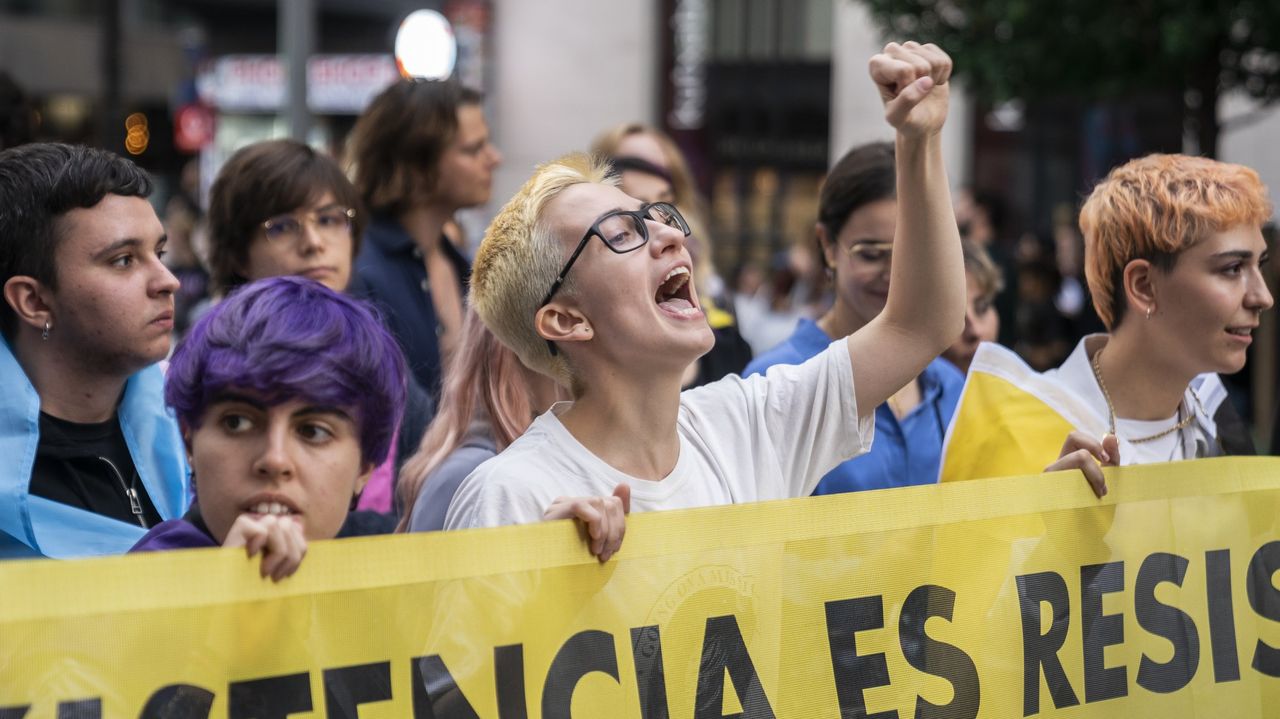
<point x="280" y="208"/>
<point x="590" y="286"/>
<point x="857" y="221"/>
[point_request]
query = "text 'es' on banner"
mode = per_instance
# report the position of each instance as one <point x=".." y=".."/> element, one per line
<point x="994" y="598"/>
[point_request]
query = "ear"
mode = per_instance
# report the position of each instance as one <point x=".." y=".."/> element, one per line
<point x="1139" y="287"/>
<point x="558" y="323"/>
<point x="29" y="299"/>
<point x="366" y="471"/>
<point x="826" y="245"/>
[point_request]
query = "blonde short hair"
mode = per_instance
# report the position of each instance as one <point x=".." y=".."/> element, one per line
<point x="519" y="259"/>
<point x="1155" y="207"/>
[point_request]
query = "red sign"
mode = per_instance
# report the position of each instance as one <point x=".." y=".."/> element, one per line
<point x="192" y="127"/>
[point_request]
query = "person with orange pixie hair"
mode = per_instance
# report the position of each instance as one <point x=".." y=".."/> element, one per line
<point x="1173" y="258"/>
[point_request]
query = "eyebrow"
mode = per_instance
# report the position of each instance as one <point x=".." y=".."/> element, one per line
<point x="259" y="404"/>
<point x="1234" y="254"/>
<point x="129" y="242"/>
<point x="325" y="409"/>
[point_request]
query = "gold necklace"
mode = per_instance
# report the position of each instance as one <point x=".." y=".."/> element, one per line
<point x="1111" y="409"/>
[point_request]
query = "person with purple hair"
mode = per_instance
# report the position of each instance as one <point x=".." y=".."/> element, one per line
<point x="286" y="394"/>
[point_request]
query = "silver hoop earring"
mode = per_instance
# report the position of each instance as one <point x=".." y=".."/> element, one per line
<point x="45" y="335"/>
<point x="1149" y="310"/>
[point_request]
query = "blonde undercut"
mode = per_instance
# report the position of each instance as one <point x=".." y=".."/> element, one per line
<point x="519" y="259"/>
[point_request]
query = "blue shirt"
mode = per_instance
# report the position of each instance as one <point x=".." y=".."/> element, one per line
<point x="390" y="272"/>
<point x="905" y="451"/>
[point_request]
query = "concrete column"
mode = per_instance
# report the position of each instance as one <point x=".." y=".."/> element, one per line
<point x="564" y="70"/>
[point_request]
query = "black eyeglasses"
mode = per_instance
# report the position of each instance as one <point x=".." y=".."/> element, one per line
<point x="622" y="231"/>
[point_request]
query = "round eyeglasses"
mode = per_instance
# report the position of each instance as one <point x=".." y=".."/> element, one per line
<point x="328" y="222"/>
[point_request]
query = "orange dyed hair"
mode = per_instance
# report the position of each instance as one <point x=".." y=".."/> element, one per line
<point x="1155" y="207"/>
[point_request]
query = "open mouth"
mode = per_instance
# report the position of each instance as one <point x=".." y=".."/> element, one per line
<point x="674" y="293"/>
<point x="1240" y="331"/>
<point x="279" y="509"/>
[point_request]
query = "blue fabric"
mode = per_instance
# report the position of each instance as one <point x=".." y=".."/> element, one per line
<point x="905" y="452"/>
<point x="33" y="526"/>
<point x="390" y="272"/>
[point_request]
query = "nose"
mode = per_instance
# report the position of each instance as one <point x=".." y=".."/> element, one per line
<point x="164" y="282"/>
<point x="495" y="156"/>
<point x="274" y="461"/>
<point x="970" y="322"/>
<point x="664" y="238"/>
<point x="1258" y="297"/>
<point x="311" y="240"/>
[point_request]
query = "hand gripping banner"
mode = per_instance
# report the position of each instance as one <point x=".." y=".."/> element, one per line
<point x="994" y="598"/>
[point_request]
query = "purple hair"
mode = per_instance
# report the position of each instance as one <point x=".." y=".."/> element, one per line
<point x="291" y="338"/>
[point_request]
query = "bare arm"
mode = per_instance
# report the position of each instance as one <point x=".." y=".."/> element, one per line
<point x="924" y="312"/>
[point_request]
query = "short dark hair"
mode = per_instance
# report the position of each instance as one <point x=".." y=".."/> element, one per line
<point x="41" y="182"/>
<point x="865" y="174"/>
<point x="259" y="182"/>
<point x="396" y="145"/>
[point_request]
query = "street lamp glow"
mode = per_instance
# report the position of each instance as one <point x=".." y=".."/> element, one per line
<point x="425" y="46"/>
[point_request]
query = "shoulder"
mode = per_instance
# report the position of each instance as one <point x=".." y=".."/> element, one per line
<point x="805" y="342"/>
<point x="173" y="534"/>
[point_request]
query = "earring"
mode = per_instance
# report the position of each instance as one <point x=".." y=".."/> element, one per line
<point x="1150" y="308"/>
<point x="45" y="335"/>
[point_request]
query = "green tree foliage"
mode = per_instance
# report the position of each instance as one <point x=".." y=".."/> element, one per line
<point x="1099" y="49"/>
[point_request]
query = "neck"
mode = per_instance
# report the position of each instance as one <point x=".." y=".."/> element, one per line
<point x="631" y="425"/>
<point x="426" y="225"/>
<point x="840" y="321"/>
<point x="68" y="389"/>
<point x="1144" y="385"/>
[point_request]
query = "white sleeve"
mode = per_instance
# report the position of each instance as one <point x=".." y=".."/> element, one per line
<point x="805" y="414"/>
<point x="485" y="500"/>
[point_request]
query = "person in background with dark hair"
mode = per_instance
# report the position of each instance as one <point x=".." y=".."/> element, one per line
<point x="420" y="153"/>
<point x="857" y="222"/>
<point x="93" y="458"/>
<point x="286" y="394"/>
<point x="281" y="208"/>
<point x="17" y="117"/>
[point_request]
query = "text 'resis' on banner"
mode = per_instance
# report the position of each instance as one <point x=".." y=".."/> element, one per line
<point x="996" y="598"/>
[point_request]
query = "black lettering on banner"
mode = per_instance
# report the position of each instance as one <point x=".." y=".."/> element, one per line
<point x="1222" y="622"/>
<point x="1265" y="600"/>
<point x="585" y="652"/>
<point x="15" y="712"/>
<point x="855" y="673"/>
<point x="270" y="698"/>
<point x="435" y="694"/>
<point x="80" y="709"/>
<point x="723" y="648"/>
<point x="1040" y="651"/>
<point x="178" y="701"/>
<point x="938" y="658"/>
<point x="508" y="668"/>
<point x="1165" y="621"/>
<point x="651" y="681"/>
<point x="346" y="688"/>
<point x="1099" y="631"/>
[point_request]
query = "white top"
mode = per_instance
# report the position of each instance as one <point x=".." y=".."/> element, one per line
<point x="769" y="436"/>
<point x="1197" y="439"/>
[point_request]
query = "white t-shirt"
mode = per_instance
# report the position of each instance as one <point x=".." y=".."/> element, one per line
<point x="769" y="436"/>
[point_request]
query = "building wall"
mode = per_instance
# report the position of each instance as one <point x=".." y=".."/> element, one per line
<point x="564" y="70"/>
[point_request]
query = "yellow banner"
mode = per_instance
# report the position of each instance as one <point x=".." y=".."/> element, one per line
<point x="995" y="598"/>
